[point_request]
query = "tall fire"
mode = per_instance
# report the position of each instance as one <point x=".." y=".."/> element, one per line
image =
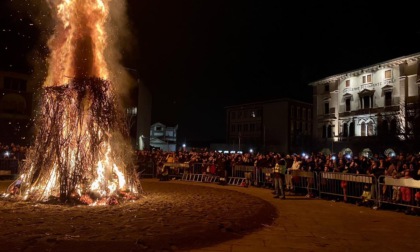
<point x="79" y="154"/>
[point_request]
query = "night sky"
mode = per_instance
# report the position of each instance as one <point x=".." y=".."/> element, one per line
<point x="197" y="57"/>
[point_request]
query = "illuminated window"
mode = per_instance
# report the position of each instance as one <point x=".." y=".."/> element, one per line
<point x="363" y="129"/>
<point x="388" y="74"/>
<point x="347" y="83"/>
<point x="367" y="78"/>
<point x="370" y="129"/>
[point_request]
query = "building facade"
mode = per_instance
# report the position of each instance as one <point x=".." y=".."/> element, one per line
<point x="283" y="125"/>
<point x="16" y="105"/>
<point x="163" y="137"/>
<point x="371" y="107"/>
<point x="143" y="117"/>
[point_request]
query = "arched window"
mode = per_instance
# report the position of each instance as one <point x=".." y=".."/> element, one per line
<point x="370" y="129"/>
<point x="363" y="129"/>
<point x="383" y="129"/>
<point x="345" y="130"/>
<point x="351" y="129"/>
<point x="329" y="132"/>
<point x="393" y="127"/>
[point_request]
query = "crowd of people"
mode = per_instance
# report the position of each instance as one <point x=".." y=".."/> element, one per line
<point x="401" y="165"/>
<point x="13" y="151"/>
<point x="221" y="164"/>
<point x="376" y="165"/>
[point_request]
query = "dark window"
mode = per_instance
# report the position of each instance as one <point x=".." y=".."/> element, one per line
<point x="388" y="98"/>
<point x="14" y="84"/>
<point x="252" y="127"/>
<point x="327" y="88"/>
<point x="366" y="102"/>
<point x="345" y="130"/>
<point x="351" y="129"/>
<point x="326" y="108"/>
<point x="348" y="104"/>
<point x="393" y="127"/>
<point x="329" y="131"/>
<point x="383" y="129"/>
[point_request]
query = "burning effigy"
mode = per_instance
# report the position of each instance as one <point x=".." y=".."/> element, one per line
<point x="80" y="153"/>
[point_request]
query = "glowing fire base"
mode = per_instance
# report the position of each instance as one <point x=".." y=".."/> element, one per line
<point x="78" y="155"/>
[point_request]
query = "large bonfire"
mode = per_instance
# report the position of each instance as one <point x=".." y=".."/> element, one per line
<point x="79" y="154"/>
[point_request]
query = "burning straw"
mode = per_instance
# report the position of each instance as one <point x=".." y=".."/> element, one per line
<point x="78" y="156"/>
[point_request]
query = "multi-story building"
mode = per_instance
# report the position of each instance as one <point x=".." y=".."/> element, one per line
<point x="283" y="125"/>
<point x="143" y="117"/>
<point x="373" y="107"/>
<point x="163" y="137"/>
<point x="16" y="105"/>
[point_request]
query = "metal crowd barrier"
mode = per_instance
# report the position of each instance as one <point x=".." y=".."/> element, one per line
<point x="200" y="177"/>
<point x="263" y="177"/>
<point x="398" y="191"/>
<point x="242" y="174"/>
<point x="9" y="168"/>
<point x="176" y="170"/>
<point x="148" y="169"/>
<point x="345" y="185"/>
<point x="385" y="190"/>
<point x="304" y="180"/>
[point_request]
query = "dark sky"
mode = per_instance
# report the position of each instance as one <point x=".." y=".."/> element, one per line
<point x="197" y="57"/>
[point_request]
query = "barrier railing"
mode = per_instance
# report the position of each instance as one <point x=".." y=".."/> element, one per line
<point x="306" y="180"/>
<point x="9" y="168"/>
<point x="148" y="169"/>
<point x="346" y="185"/>
<point x="263" y="177"/>
<point x="175" y="170"/>
<point x="365" y="188"/>
<point x="242" y="174"/>
<point x="398" y="191"/>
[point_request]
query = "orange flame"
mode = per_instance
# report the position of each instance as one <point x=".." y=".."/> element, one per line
<point x="79" y="113"/>
<point x="79" y="41"/>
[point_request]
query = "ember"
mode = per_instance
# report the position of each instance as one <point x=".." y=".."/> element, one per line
<point x="80" y="154"/>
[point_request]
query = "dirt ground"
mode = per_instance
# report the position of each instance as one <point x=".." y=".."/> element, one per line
<point x="169" y="217"/>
